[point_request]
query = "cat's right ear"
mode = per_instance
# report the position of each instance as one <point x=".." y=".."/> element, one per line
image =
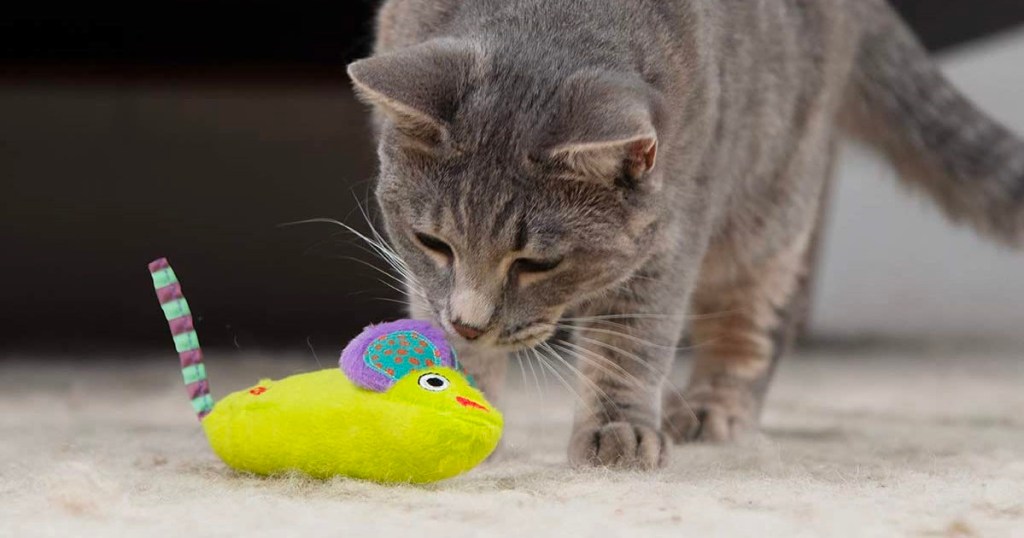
<point x="418" y="88"/>
<point x="606" y="130"/>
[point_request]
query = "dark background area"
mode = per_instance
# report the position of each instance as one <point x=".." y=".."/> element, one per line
<point x="193" y="129"/>
<point x="300" y="38"/>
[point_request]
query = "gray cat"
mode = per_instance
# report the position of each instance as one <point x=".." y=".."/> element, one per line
<point x="622" y="168"/>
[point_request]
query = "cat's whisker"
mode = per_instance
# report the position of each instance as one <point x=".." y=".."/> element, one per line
<point x="650" y="316"/>
<point x="384" y="243"/>
<point x="403" y="287"/>
<point x="409" y="290"/>
<point x="576" y="372"/>
<point x="335" y="222"/>
<point x="407" y="304"/>
<point x="714" y="315"/>
<point x="369" y="222"/>
<point x="632" y="338"/>
<point x="599" y="393"/>
<point x="519" y="359"/>
<point x="602" y="364"/>
<point x="617" y="334"/>
<point x="375" y="268"/>
<point x="633" y="380"/>
<point x="639" y="360"/>
<point x="561" y="379"/>
<point x="396" y="288"/>
<point x="675" y="349"/>
<point x="543" y="372"/>
<point x="619" y="316"/>
<point x="309" y="344"/>
<point x="402" y="270"/>
<point x="533" y="371"/>
<point x="406" y="288"/>
<point x="375" y="247"/>
<point x="629" y="380"/>
<point x="410" y="286"/>
<point x="324" y="243"/>
<point x="540" y="365"/>
<point x="379" y="247"/>
<point x="522" y="368"/>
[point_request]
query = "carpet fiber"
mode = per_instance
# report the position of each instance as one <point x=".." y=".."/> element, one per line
<point x="898" y="442"/>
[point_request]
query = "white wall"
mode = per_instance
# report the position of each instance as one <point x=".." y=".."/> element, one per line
<point x="892" y="265"/>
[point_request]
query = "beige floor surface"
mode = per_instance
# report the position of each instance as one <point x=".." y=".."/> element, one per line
<point x="897" y="442"/>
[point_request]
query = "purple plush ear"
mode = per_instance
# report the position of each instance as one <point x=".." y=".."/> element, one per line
<point x="383" y="353"/>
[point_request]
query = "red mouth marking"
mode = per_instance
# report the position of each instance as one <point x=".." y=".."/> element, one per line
<point x="466" y="402"/>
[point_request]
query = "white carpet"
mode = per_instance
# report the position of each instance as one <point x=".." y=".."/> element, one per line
<point x="906" y="442"/>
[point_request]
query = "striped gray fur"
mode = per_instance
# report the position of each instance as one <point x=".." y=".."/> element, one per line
<point x="628" y="170"/>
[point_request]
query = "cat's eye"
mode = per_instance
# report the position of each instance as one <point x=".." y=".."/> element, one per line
<point x="435" y="245"/>
<point x="433" y="382"/>
<point x="531" y="266"/>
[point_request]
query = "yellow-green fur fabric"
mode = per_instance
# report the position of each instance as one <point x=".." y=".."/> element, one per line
<point x="323" y="425"/>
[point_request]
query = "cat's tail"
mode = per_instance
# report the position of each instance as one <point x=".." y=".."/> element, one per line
<point x="941" y="143"/>
<point x="179" y="318"/>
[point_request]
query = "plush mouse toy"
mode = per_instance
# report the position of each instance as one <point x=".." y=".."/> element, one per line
<point x="399" y="409"/>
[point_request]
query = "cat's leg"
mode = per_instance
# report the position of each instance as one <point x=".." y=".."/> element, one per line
<point x="624" y="350"/>
<point x="488" y="367"/>
<point x="741" y="325"/>
<point x="751" y="297"/>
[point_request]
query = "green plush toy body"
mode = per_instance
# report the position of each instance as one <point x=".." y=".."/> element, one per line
<point x="323" y="425"/>
<point x="399" y="408"/>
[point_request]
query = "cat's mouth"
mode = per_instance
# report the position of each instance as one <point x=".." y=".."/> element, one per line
<point x="527" y="338"/>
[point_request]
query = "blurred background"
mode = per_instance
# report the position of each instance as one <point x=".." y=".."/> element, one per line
<point x="194" y="130"/>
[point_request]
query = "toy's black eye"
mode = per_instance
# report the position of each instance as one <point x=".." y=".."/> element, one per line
<point x="526" y="265"/>
<point x="435" y="245"/>
<point x="434" y="382"/>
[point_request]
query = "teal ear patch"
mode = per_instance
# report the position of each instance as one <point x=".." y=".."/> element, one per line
<point x="398" y="353"/>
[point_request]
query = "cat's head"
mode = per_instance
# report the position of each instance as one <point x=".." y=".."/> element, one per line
<point x="512" y="192"/>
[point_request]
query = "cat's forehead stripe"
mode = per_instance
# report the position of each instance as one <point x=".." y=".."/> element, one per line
<point x="458" y="216"/>
<point x="522" y="234"/>
<point x="436" y="213"/>
<point x="502" y="217"/>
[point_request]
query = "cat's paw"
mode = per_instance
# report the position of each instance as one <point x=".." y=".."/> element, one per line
<point x="710" y="413"/>
<point x="618" y="444"/>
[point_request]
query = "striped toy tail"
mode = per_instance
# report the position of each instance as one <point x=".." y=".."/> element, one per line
<point x="179" y="318"/>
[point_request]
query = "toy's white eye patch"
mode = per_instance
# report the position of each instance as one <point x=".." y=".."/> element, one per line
<point x="434" y="382"/>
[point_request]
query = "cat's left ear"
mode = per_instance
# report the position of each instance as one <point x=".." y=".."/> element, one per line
<point x="606" y="129"/>
<point x="418" y="88"/>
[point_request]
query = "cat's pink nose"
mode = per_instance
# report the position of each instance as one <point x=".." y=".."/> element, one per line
<point x="467" y="332"/>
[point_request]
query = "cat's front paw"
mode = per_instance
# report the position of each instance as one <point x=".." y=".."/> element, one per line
<point x="618" y="444"/>
<point x="710" y="413"/>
